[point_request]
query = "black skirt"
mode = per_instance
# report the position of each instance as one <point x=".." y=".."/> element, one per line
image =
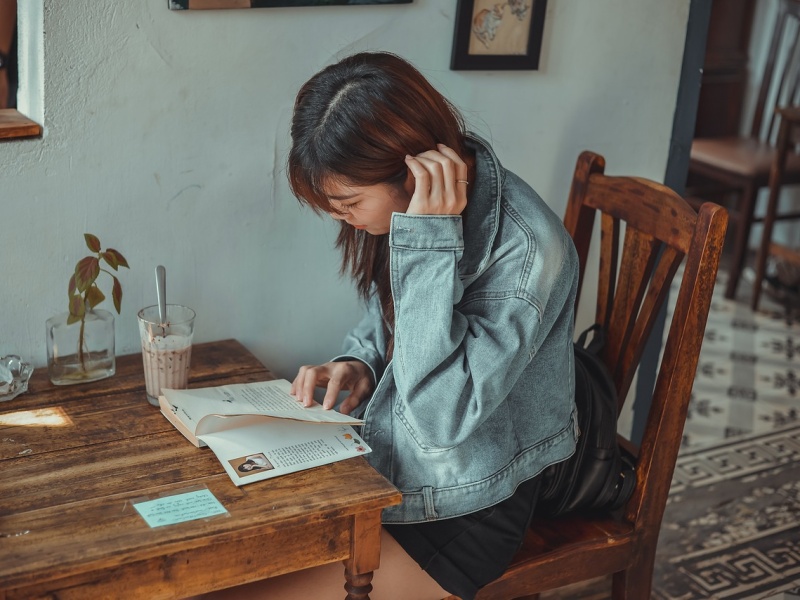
<point x="465" y="553"/>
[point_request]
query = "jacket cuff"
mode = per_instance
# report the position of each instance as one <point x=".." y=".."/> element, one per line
<point x="426" y="232"/>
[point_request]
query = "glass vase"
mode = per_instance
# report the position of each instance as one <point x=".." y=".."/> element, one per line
<point x="83" y="351"/>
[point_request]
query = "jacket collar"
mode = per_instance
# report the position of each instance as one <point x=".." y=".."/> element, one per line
<point x="481" y="217"/>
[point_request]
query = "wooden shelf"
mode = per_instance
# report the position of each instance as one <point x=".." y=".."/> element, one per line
<point x="13" y="124"/>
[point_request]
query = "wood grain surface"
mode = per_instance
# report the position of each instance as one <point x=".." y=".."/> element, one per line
<point x="74" y="459"/>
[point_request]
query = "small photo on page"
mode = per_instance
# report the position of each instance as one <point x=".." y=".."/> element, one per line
<point x="251" y="464"/>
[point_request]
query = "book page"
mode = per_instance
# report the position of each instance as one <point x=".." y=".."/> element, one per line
<point x="271" y="398"/>
<point x="256" y="448"/>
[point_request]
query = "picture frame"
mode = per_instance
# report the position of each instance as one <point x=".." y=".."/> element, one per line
<point x="223" y="4"/>
<point x="498" y="35"/>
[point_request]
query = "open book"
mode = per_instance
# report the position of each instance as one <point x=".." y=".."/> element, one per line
<point x="258" y="430"/>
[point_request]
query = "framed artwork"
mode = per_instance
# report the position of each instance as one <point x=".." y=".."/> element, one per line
<point x="217" y="4"/>
<point x="498" y="34"/>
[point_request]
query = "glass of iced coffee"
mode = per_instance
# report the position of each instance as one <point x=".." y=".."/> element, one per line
<point x="166" y="348"/>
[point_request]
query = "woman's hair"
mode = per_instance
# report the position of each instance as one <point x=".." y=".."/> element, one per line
<point x="354" y="123"/>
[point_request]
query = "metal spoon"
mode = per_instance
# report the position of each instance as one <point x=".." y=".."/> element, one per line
<point x="161" y="290"/>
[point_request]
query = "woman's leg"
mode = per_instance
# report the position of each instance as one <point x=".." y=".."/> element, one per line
<point x="399" y="578"/>
<point x="465" y="553"/>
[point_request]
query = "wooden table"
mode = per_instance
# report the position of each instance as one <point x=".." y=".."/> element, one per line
<point x="74" y="458"/>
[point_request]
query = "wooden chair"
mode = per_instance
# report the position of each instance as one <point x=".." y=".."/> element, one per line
<point x="738" y="167"/>
<point x="788" y="138"/>
<point x="660" y="229"/>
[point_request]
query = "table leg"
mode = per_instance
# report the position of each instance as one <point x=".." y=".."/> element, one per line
<point x="358" y="587"/>
<point x="365" y="555"/>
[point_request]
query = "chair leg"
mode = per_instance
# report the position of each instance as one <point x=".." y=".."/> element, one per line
<point x="763" y="248"/>
<point x="742" y="239"/>
<point x="636" y="582"/>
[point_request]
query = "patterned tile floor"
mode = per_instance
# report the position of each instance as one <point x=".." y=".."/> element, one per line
<point x="748" y="378"/>
<point x="731" y="529"/>
<point x="732" y="525"/>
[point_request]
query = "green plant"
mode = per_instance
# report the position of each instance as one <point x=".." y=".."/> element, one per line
<point x="84" y="294"/>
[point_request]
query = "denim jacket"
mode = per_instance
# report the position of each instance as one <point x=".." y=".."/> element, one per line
<point x="478" y="396"/>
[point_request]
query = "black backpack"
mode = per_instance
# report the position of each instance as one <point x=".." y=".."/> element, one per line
<point x="601" y="475"/>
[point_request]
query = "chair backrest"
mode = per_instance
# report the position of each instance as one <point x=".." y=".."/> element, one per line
<point x="637" y="265"/>
<point x="780" y="83"/>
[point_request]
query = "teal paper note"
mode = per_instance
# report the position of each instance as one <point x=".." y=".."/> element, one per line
<point x="169" y="510"/>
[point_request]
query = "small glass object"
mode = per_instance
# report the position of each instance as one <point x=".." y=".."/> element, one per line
<point x="68" y="360"/>
<point x="14" y="376"/>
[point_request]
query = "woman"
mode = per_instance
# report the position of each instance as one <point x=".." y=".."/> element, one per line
<point x="462" y="367"/>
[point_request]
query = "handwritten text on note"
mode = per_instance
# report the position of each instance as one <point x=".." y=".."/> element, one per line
<point x="189" y="506"/>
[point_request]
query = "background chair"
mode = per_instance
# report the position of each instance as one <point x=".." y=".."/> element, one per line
<point x="788" y="138"/>
<point x="736" y="168"/>
<point x="660" y="229"/>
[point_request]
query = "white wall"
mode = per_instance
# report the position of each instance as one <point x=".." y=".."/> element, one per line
<point x="166" y="134"/>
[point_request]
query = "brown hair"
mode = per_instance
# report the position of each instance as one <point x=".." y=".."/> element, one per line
<point x="353" y="123"/>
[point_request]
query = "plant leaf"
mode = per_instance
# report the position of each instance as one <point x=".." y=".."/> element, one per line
<point x="71" y="287"/>
<point x="111" y="259"/>
<point x="94" y="296"/>
<point x="77" y="308"/>
<point x="92" y="242"/>
<point x="116" y="294"/>
<point x="86" y="271"/>
<point x="118" y="255"/>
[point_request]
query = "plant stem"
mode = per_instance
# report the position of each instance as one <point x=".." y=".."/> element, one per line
<point x="81" y="357"/>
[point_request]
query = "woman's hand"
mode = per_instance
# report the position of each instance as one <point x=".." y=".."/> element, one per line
<point x="440" y="182"/>
<point x="352" y="375"/>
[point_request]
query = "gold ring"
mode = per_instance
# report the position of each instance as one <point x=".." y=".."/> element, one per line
<point x="462" y="181"/>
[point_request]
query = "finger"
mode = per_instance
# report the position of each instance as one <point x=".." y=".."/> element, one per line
<point x="437" y="166"/>
<point x="451" y="195"/>
<point x="314" y="376"/>
<point x="298" y="379"/>
<point x="422" y="182"/>
<point x="332" y="392"/>
<point x="459" y="181"/>
<point x="428" y="197"/>
<point x="347" y="406"/>
<point x="351" y="402"/>
<point x="451" y="192"/>
<point x="361" y="391"/>
<point x="461" y="169"/>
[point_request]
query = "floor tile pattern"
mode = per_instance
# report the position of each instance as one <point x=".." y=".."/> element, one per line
<point x="731" y="529"/>
<point x="732" y="525"/>
<point x="748" y="377"/>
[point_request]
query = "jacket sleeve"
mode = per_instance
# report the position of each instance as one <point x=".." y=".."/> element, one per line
<point x="366" y="341"/>
<point x="455" y="358"/>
